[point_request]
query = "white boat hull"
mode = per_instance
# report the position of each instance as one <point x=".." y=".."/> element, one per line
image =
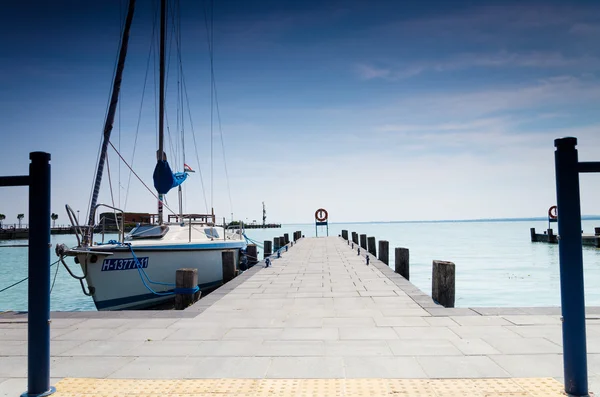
<point x="118" y="283"/>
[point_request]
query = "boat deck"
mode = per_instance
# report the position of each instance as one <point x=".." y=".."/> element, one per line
<point x="319" y="321"/>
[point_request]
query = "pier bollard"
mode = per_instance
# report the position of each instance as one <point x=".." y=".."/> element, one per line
<point x="368" y="260"/>
<point x="355" y="237"/>
<point x="443" y="283"/>
<point x="276" y="245"/>
<point x="402" y="262"/>
<point x="286" y="238"/>
<point x="384" y="255"/>
<point x="228" y="262"/>
<point x="372" y="248"/>
<point x="532" y="233"/>
<point x="267" y="249"/>
<point x="282" y="242"/>
<point x="363" y="241"/>
<point x="252" y="254"/>
<point x="186" y="279"/>
<point x="551" y="236"/>
<point x="345" y="234"/>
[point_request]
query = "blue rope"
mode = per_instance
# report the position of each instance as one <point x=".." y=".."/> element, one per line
<point x="143" y="274"/>
<point x="187" y="291"/>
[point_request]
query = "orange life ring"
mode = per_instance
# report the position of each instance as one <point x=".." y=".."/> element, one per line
<point x="553" y="212"/>
<point x="321" y="215"/>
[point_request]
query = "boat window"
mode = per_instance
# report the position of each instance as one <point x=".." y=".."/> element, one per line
<point x="211" y="232"/>
<point x="148" y="231"/>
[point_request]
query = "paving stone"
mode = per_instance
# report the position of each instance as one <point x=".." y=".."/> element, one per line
<point x="369" y="333"/>
<point x="383" y="367"/>
<point x="523" y="345"/>
<point x="425" y="347"/>
<point x="291" y="348"/>
<point x="306" y="367"/>
<point x="229" y="367"/>
<point x="474" y="347"/>
<point x="155" y="368"/>
<point x="461" y="367"/>
<point x="530" y="365"/>
<point x="310" y="334"/>
<point x="87" y="367"/>
<point x="361" y="348"/>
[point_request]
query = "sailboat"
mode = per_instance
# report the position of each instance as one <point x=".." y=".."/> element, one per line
<point x="138" y="270"/>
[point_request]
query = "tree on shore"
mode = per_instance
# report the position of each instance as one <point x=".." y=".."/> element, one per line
<point x="54" y="217"/>
<point x="20" y="218"/>
<point x="2" y="217"/>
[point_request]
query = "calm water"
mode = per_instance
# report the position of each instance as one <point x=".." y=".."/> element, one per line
<point x="496" y="264"/>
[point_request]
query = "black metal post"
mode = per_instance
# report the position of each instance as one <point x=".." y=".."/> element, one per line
<point x="571" y="267"/>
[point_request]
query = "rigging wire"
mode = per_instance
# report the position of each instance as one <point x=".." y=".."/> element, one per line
<point x="137" y="129"/>
<point x="210" y="43"/>
<point x="122" y="27"/>
<point x="212" y="77"/>
<point x="138" y="177"/>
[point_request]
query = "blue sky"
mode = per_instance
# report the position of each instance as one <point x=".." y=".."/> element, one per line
<point x="373" y="110"/>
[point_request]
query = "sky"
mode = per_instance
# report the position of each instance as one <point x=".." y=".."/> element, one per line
<point x="374" y="110"/>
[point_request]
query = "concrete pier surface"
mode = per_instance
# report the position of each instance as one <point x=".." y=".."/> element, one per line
<point x="319" y="321"/>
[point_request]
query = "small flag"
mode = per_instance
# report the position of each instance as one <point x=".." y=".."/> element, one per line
<point x="187" y="168"/>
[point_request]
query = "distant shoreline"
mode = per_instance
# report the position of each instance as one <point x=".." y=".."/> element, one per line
<point x="534" y="219"/>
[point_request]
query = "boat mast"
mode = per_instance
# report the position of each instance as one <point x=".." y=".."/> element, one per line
<point x="110" y="118"/>
<point x="161" y="103"/>
<point x="264" y="214"/>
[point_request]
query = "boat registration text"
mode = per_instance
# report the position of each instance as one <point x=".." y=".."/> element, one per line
<point x="124" y="264"/>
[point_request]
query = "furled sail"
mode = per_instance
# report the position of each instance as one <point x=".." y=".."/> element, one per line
<point x="165" y="179"/>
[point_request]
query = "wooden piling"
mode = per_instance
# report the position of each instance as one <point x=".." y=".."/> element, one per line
<point x="443" y="283"/>
<point x="267" y="248"/>
<point x="551" y="236"/>
<point x="252" y="254"/>
<point x="276" y="245"/>
<point x="345" y="234"/>
<point x="371" y="246"/>
<point x="401" y="263"/>
<point x="533" y="236"/>
<point x="228" y="263"/>
<point x="384" y="254"/>
<point x="355" y="237"/>
<point x="286" y="238"/>
<point x="188" y="279"/>
<point x="597" y="231"/>
<point x="363" y="241"/>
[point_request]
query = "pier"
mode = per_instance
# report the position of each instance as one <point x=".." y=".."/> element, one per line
<point x="592" y="240"/>
<point x="318" y="321"/>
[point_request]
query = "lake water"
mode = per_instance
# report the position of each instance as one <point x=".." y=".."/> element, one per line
<point x="496" y="264"/>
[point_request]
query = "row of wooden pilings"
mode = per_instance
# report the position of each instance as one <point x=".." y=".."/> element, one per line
<point x="187" y="279"/>
<point x="443" y="272"/>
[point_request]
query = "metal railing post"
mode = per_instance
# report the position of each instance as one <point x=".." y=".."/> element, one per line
<point x="571" y="266"/>
<point x="38" y="361"/>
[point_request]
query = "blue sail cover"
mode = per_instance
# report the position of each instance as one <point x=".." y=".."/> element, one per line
<point x="165" y="179"/>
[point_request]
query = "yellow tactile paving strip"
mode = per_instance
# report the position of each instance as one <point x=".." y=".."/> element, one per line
<point x="520" y="387"/>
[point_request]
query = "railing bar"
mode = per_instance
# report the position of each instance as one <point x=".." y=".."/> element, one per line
<point x="589" y="166"/>
<point x="16" y="180"/>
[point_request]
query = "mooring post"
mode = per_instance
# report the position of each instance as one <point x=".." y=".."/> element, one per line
<point x="267" y="248"/>
<point x="442" y="283"/>
<point x="275" y="244"/>
<point x="228" y="262"/>
<point x="186" y="280"/>
<point x="282" y="242"/>
<point x="532" y="233"/>
<point x="355" y="237"/>
<point x="372" y="248"/>
<point x="384" y="255"/>
<point x="252" y="254"/>
<point x="551" y="237"/>
<point x="286" y="238"/>
<point x="401" y="263"/>
<point x="38" y="322"/>
<point x="345" y="234"/>
<point x="363" y="241"/>
<point x="597" y="231"/>
<point x="571" y="266"/>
